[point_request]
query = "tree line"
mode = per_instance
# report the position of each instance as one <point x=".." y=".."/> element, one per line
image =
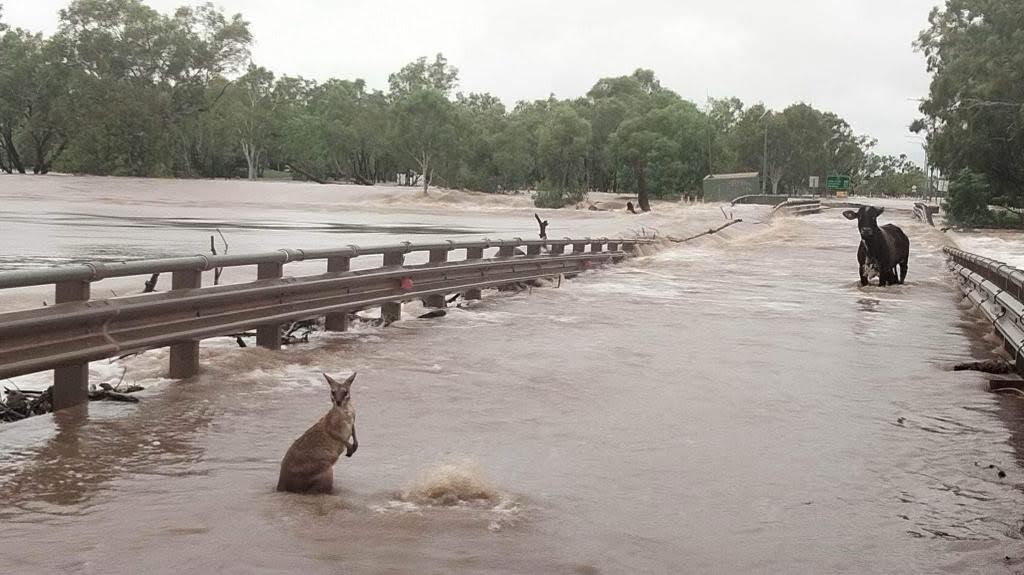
<point x="973" y="117"/>
<point x="121" y="89"/>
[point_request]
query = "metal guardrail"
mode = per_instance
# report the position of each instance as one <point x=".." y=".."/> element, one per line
<point x="65" y="337"/>
<point x="924" y="212"/>
<point x="762" y="199"/>
<point x="798" y="207"/>
<point x="998" y="290"/>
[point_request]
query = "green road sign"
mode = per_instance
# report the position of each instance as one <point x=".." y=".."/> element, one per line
<point x="837" y="182"/>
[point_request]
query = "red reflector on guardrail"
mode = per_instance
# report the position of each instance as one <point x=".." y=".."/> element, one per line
<point x="407" y="284"/>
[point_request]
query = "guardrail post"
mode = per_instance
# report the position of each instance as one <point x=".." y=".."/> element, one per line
<point x="436" y="300"/>
<point x="533" y="250"/>
<point x="579" y="247"/>
<point x="595" y="247"/>
<point x="269" y="335"/>
<point x="557" y="249"/>
<point x="392" y="311"/>
<point x="473" y="254"/>
<point x="185" y="355"/>
<point x="337" y="321"/>
<point x="71" y="382"/>
<point x="506" y="251"/>
<point x="613" y="246"/>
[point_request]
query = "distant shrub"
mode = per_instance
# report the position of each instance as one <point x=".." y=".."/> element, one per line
<point x="552" y="198"/>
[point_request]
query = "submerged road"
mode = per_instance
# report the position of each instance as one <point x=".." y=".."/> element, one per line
<point x="734" y="405"/>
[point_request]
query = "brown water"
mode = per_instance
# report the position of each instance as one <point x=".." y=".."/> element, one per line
<point x="734" y="405"/>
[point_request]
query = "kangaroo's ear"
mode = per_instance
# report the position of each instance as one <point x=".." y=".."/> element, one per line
<point x="850" y="214"/>
<point x="331" y="380"/>
<point x="348" y="382"/>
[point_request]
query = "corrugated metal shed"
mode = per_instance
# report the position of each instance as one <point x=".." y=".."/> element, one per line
<point x="728" y="187"/>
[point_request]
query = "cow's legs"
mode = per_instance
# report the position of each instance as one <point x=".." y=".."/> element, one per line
<point x="861" y="258"/>
<point x="903" y="270"/>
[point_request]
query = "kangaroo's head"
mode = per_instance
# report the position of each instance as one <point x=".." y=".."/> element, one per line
<point x="340" y="391"/>
<point x="867" y="220"/>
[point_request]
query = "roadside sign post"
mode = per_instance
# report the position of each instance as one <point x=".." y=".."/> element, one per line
<point x="840" y="185"/>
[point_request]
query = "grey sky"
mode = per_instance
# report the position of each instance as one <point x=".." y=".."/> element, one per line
<point x="852" y="57"/>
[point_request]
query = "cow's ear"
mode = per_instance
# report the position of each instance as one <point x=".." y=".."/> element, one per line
<point x="879" y="211"/>
<point x="850" y="214"/>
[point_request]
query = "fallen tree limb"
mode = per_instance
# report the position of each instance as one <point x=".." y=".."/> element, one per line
<point x="707" y="233"/>
<point x="21" y="404"/>
<point x="306" y="174"/>
<point x="996" y="366"/>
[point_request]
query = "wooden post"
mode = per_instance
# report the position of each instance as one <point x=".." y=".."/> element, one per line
<point x="71" y="382"/>
<point x="506" y="251"/>
<point x="392" y="311"/>
<point x="533" y="250"/>
<point x="557" y="248"/>
<point x="337" y="321"/>
<point x="595" y="247"/>
<point x="269" y="335"/>
<point x="473" y="254"/>
<point x="613" y="246"/>
<point x="436" y="300"/>
<point x="579" y="248"/>
<point x="185" y="354"/>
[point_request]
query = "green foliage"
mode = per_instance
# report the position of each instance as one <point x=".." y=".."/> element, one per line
<point x="424" y="130"/>
<point x="420" y="75"/>
<point x="554" y="198"/>
<point x="892" y="176"/>
<point x="967" y="204"/>
<point x="124" y="89"/>
<point x="562" y="151"/>
<point x="974" y="113"/>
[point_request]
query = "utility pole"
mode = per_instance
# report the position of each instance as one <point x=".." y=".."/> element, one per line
<point x="764" y="155"/>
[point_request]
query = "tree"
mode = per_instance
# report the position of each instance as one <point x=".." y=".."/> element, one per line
<point x="892" y="176"/>
<point x="424" y="129"/>
<point x="252" y="111"/>
<point x="420" y="75"/>
<point x="140" y="82"/>
<point x="967" y="204"/>
<point x="662" y="150"/>
<point x="974" y="112"/>
<point x="562" y="149"/>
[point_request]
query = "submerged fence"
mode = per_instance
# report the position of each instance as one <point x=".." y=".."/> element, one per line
<point x="998" y="290"/>
<point x="65" y="337"/>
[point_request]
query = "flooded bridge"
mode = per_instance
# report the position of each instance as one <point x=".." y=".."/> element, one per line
<point x="738" y="403"/>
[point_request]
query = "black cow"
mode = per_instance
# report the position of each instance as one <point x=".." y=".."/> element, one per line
<point x="883" y="248"/>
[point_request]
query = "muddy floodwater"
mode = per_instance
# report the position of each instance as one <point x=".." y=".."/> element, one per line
<point x="736" y="404"/>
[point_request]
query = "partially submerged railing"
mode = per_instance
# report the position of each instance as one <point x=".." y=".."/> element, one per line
<point x="65" y="337"/>
<point x="998" y="290"/>
<point x="798" y="207"/>
<point x="762" y="199"/>
<point x="924" y="212"/>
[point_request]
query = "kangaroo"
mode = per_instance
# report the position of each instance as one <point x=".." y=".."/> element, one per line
<point x="308" y="465"/>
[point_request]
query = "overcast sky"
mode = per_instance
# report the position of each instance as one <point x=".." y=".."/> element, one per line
<point x="852" y="57"/>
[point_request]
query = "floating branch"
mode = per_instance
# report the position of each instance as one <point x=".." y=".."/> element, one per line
<point x="707" y="233"/>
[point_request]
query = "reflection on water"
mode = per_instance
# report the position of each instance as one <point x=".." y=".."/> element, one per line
<point x="723" y="406"/>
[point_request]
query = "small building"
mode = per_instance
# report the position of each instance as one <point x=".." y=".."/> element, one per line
<point x="728" y="187"/>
